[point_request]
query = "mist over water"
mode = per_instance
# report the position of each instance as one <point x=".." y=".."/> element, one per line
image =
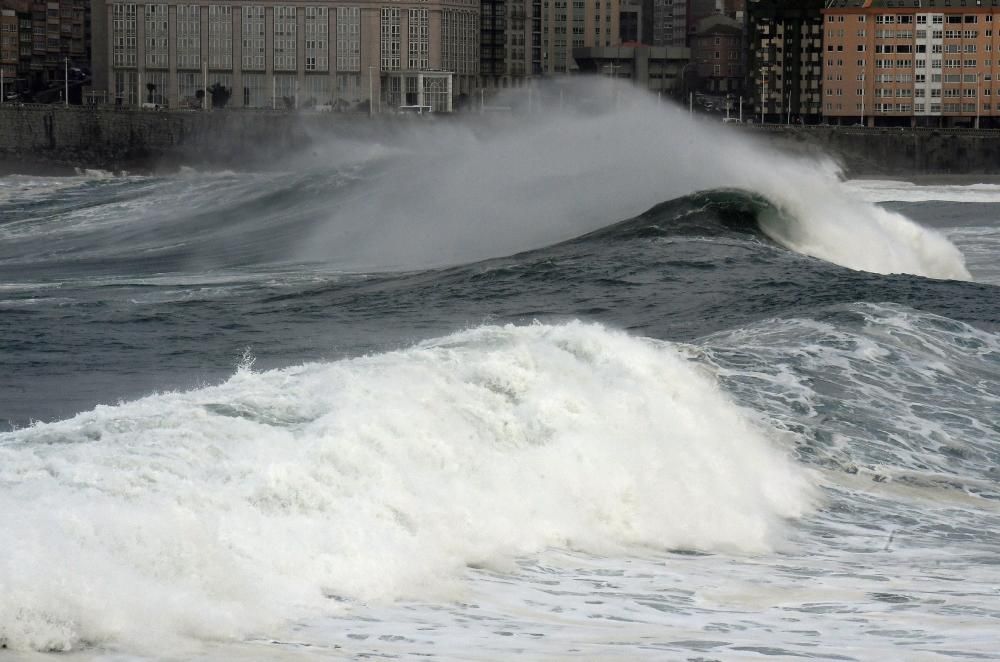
<point x="437" y="193"/>
<point x="451" y="193"/>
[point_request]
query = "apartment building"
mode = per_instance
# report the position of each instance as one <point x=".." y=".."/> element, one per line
<point x="507" y="41"/>
<point x="716" y="52"/>
<point x="281" y="53"/>
<point x="566" y="25"/>
<point x="635" y="22"/>
<point x="784" y="64"/>
<point x="670" y="23"/>
<point x="912" y="62"/>
<point x="10" y="47"/>
<point x="39" y="41"/>
<point x="652" y="68"/>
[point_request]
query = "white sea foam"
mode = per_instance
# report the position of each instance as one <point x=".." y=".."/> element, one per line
<point x="224" y="511"/>
<point x="887" y="190"/>
<point x="889" y="390"/>
<point x="818" y="216"/>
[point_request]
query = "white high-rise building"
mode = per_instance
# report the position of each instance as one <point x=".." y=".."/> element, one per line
<point x="278" y="53"/>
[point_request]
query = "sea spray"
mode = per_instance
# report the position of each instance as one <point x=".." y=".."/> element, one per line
<point x="218" y="512"/>
<point x="450" y="193"/>
<point x="431" y="194"/>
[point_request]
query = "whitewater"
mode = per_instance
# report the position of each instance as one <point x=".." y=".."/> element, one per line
<point x="617" y="384"/>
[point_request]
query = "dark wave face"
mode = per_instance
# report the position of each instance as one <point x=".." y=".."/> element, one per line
<point x="177" y="326"/>
<point x="477" y="387"/>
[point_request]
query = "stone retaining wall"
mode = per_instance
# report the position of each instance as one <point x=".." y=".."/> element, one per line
<point x="142" y="140"/>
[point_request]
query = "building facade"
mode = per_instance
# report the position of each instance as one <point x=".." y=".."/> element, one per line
<point x="670" y="23"/>
<point x="41" y="41"/>
<point x="283" y="53"/>
<point x="717" y="52"/>
<point x="656" y="69"/>
<point x="506" y="42"/>
<point x="566" y="25"/>
<point x="902" y="63"/>
<point x="784" y="59"/>
<point x="10" y="46"/>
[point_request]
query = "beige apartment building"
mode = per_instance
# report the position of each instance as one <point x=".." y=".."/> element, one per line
<point x="283" y="53"/>
<point x="912" y="62"/>
<point x="570" y="24"/>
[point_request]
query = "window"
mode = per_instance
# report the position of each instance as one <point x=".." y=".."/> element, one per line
<point x="317" y="43"/>
<point x="284" y="41"/>
<point x="188" y="37"/>
<point x="390" y="39"/>
<point x="253" y="46"/>
<point x="220" y="37"/>
<point x="419" y="39"/>
<point x="124" y="37"/>
<point x="156" y="36"/>
<point x="348" y="39"/>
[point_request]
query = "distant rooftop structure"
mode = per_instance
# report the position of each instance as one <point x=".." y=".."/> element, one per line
<point x="913" y="4"/>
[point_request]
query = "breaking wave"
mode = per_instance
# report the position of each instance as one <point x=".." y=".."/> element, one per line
<point x="436" y="194"/>
<point x="215" y="512"/>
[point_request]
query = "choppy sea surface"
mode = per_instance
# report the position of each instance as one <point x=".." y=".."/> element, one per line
<point x="619" y="387"/>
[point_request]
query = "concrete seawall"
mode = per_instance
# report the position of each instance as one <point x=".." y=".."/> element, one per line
<point x="39" y="136"/>
<point x="53" y="136"/>
<point x="894" y="151"/>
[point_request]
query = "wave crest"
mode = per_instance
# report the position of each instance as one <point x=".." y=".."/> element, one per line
<point x="220" y="511"/>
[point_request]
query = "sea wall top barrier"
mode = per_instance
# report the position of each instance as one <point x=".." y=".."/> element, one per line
<point x="123" y="138"/>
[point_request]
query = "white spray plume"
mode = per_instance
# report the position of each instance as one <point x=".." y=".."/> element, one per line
<point x="449" y="192"/>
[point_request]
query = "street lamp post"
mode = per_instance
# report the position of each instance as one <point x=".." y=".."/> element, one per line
<point x="977" y="99"/>
<point x="371" y="92"/>
<point x="66" y="82"/>
<point x="687" y="87"/>
<point x="763" y="92"/>
<point x="614" y="75"/>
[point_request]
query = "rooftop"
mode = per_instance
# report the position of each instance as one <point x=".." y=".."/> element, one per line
<point x="912" y="4"/>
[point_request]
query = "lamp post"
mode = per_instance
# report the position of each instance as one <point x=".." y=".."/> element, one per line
<point x="687" y="87"/>
<point x="66" y="82"/>
<point x="977" y="99"/>
<point x="864" y="89"/>
<point x="371" y="92"/>
<point x="614" y="75"/>
<point x="763" y="92"/>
